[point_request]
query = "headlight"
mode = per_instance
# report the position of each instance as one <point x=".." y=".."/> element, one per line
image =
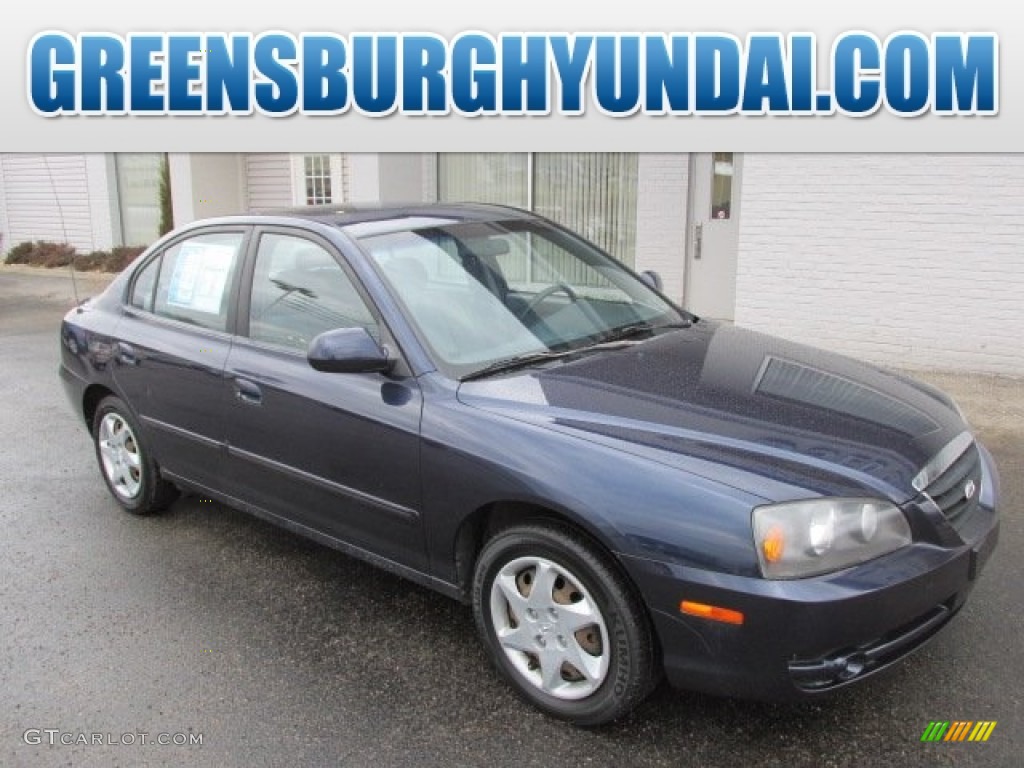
<point x="807" y="538"/>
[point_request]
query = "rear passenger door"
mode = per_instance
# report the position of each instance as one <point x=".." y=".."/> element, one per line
<point x="173" y="342"/>
<point x="337" y="453"/>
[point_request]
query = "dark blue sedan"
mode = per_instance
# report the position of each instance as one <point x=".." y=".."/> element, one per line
<point x="485" y="403"/>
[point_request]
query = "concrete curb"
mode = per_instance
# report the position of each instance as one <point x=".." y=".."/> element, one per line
<point x="24" y="269"/>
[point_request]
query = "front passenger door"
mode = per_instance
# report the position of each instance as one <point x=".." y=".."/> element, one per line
<point x="334" y="452"/>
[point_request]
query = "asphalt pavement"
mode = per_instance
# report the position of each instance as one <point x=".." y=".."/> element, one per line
<point x="207" y="624"/>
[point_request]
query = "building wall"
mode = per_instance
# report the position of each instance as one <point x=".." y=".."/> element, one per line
<point x="268" y="181"/>
<point x="907" y="260"/>
<point x="401" y="177"/>
<point x="57" y="197"/>
<point x="207" y="184"/>
<point x="5" y="228"/>
<point x="661" y="218"/>
<point x="428" y="171"/>
<point x="396" y="177"/>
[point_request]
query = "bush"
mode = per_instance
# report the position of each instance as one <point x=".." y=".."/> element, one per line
<point x="42" y="253"/>
<point x="109" y="261"/>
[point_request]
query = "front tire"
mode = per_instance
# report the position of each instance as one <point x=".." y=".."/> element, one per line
<point x="127" y="468"/>
<point x="562" y="625"/>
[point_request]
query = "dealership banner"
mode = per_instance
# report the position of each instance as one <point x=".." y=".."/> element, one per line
<point x="863" y="77"/>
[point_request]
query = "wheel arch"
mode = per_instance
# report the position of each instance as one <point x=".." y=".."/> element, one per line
<point x="91" y="399"/>
<point x="487" y="520"/>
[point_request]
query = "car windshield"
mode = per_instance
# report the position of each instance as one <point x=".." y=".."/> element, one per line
<point x="481" y="292"/>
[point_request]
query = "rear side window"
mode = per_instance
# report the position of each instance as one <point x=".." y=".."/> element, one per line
<point x="196" y="278"/>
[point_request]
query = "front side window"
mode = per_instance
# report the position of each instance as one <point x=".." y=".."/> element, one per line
<point x="485" y="291"/>
<point x="196" y="277"/>
<point x="299" y="291"/>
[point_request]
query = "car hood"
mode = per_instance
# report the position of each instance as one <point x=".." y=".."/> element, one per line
<point x="772" y="417"/>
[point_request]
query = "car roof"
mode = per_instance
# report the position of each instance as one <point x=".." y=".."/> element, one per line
<point x="363" y="220"/>
<point x="349" y="214"/>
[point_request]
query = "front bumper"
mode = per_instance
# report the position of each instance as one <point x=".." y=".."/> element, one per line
<point x="803" y="637"/>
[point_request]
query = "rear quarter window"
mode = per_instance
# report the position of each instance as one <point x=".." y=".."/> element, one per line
<point x="196" y="278"/>
<point x="145" y="282"/>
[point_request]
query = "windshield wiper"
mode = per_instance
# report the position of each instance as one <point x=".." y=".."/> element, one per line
<point x="615" y="335"/>
<point x="516" y="361"/>
<point x="636" y="329"/>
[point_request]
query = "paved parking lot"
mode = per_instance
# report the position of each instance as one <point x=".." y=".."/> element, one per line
<point x="278" y="651"/>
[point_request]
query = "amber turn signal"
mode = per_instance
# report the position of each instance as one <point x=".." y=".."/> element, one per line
<point x="712" y="612"/>
<point x="774" y="545"/>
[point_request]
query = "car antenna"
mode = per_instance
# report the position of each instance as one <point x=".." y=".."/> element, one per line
<point x="63" y="227"/>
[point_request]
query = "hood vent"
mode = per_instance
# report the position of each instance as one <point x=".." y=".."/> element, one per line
<point x="805" y="384"/>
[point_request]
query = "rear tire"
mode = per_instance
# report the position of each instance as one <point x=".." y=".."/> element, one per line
<point x="127" y="468"/>
<point x="562" y="625"/>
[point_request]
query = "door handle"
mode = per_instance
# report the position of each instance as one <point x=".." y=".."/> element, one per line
<point x="126" y="354"/>
<point x="248" y="392"/>
<point x="698" y="240"/>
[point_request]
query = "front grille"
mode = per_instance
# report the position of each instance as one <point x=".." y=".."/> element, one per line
<point x="956" y="490"/>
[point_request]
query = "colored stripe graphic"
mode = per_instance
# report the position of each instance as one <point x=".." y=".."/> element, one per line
<point x="958" y="730"/>
<point x="982" y="730"/>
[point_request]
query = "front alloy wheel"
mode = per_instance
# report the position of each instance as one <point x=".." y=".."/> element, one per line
<point x="550" y="628"/>
<point x="562" y="623"/>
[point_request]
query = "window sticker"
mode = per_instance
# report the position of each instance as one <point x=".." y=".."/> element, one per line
<point x="200" y="275"/>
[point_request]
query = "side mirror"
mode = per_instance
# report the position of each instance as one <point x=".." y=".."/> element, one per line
<point x="347" y="350"/>
<point x="652" y="278"/>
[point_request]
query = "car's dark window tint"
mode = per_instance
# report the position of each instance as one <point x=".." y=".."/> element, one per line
<point x="299" y="291"/>
<point x="142" y="289"/>
<point x="196" y="277"/>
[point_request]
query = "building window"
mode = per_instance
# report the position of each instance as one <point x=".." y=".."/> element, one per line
<point x="593" y="193"/>
<point x="138" y="196"/>
<point x="317" y="179"/>
<point x="721" y="185"/>
<point x="484" y="177"/>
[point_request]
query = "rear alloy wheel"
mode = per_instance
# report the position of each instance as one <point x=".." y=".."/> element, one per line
<point x="562" y="625"/>
<point x="129" y="472"/>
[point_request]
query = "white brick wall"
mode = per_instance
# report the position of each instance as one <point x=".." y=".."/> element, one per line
<point x="661" y="218"/>
<point x="908" y="260"/>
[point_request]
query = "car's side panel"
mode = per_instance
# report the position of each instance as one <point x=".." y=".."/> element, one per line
<point x="472" y="459"/>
